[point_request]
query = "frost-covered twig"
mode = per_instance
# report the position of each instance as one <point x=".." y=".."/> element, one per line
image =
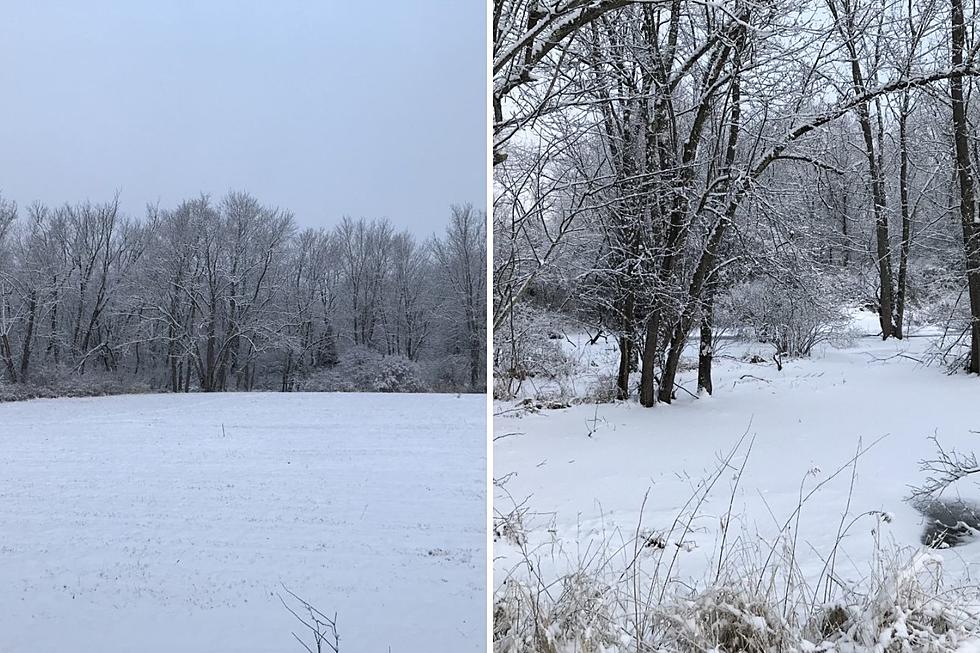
<point x="323" y="628"/>
<point x="948" y="467"/>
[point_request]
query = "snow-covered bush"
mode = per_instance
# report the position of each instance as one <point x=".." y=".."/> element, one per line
<point x="602" y="391"/>
<point x="397" y="374"/>
<point x="936" y="295"/>
<point x="909" y="609"/>
<point x="580" y="618"/>
<point x="364" y="370"/>
<point x="723" y="618"/>
<point x="527" y="347"/>
<point x="793" y="319"/>
<point x="61" y="382"/>
<point x="945" y="305"/>
<point x="450" y="374"/>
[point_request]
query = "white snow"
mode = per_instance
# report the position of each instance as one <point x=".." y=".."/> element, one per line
<point x="170" y="522"/>
<point x="585" y="470"/>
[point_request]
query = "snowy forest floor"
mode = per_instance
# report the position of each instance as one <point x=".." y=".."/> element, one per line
<point x="172" y="522"/>
<point x="575" y="480"/>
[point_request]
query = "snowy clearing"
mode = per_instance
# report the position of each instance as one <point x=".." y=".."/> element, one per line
<point x="171" y="522"/>
<point x="583" y="471"/>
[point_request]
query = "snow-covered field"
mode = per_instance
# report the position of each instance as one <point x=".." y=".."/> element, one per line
<point x="171" y="522"/>
<point x="584" y="471"/>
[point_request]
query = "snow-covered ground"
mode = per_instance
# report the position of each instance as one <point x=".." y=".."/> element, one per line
<point x="584" y="470"/>
<point x="171" y="522"/>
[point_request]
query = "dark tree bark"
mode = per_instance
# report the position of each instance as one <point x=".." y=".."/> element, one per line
<point x="903" y="181"/>
<point x="706" y="345"/>
<point x="846" y="27"/>
<point x="25" y="356"/>
<point x="53" y="350"/>
<point x="8" y="357"/>
<point x="964" y="176"/>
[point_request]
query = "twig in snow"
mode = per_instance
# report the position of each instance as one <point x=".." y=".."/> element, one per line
<point x="945" y="469"/>
<point x="322" y="627"/>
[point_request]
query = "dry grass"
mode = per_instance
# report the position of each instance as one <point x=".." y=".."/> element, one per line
<point x="624" y="595"/>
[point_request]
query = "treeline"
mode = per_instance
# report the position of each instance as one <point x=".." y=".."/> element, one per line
<point x="231" y="295"/>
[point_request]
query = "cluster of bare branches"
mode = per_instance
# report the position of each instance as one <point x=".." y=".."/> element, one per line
<point x="321" y="627"/>
<point x="943" y="471"/>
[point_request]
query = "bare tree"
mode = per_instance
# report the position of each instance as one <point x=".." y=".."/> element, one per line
<point x="462" y="258"/>
<point x="965" y="181"/>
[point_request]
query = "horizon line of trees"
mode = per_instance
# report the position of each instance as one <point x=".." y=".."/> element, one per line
<point x="232" y="295"/>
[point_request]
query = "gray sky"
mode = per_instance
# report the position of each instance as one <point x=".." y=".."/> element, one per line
<point x="324" y="107"/>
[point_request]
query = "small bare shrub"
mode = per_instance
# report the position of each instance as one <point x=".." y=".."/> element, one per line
<point x="528" y="351"/>
<point x="793" y="319"/>
<point x="508" y="524"/>
<point x="602" y="391"/>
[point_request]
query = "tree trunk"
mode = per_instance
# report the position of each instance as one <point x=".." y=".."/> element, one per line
<point x="971" y="234"/>
<point x="53" y="342"/>
<point x="187" y="376"/>
<point x="287" y="369"/>
<point x="706" y="345"/>
<point x="882" y="245"/>
<point x="477" y="372"/>
<point x="672" y="363"/>
<point x="648" y="385"/>
<point x="847" y="243"/>
<point x="623" y="375"/>
<point x="7" y="357"/>
<point x="25" y="356"/>
<point x="903" y="264"/>
<point x="886" y="304"/>
<point x="625" y="348"/>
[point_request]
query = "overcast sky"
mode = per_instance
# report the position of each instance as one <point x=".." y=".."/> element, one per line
<point x="324" y="107"/>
